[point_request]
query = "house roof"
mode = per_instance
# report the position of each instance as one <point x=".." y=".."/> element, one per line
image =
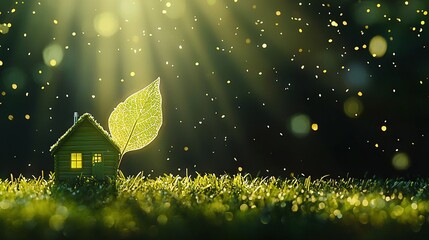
<point x="85" y="117"/>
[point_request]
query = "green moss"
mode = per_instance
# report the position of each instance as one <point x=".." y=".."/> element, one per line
<point x="214" y="207"/>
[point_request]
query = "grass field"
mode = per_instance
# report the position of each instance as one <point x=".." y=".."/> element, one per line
<point x="214" y="207"/>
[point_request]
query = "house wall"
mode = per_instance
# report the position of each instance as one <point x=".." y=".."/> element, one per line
<point x="86" y="139"/>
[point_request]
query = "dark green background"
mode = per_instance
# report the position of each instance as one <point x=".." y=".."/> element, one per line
<point x="254" y="133"/>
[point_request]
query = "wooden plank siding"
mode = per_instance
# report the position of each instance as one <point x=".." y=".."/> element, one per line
<point x="86" y="139"/>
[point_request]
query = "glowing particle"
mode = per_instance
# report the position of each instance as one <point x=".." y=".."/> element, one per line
<point x="93" y="96"/>
<point x="186" y="148"/>
<point x="264" y="45"/>
<point x="278" y="13"/>
<point x="13" y="10"/>
<point x="300" y="30"/>
<point x="53" y="63"/>
<point x="55" y="21"/>
<point x="383" y="128"/>
<point x="3" y="93"/>
<point x="248" y="41"/>
<point x="345" y="23"/>
<point x="368" y="10"/>
<point x="197" y="63"/>
<point x="168" y="4"/>
<point x="378" y="5"/>
<point x="378" y="46"/>
<point x="376" y="145"/>
<point x="330" y="40"/>
<point x="401" y="161"/>
<point x="1" y="63"/>
<point x="315" y="127"/>
<point x="356" y="48"/>
<point x="132" y="74"/>
<point x="14" y="86"/>
<point x="360" y="94"/>
<point x="406" y="3"/>
<point x="422" y="23"/>
<point x="334" y="24"/>
<point x="240" y="169"/>
<point x="73" y="34"/>
<point x="10" y="117"/>
<point x="27" y="116"/>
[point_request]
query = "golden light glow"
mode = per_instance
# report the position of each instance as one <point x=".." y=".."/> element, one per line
<point x="314" y="126"/>
<point x="14" y="86"/>
<point x="383" y="128"/>
<point x="378" y="46"/>
<point x="186" y="148"/>
<point x="10" y="117"/>
<point x="401" y="161"/>
<point x="106" y="24"/>
<point x="27" y="116"/>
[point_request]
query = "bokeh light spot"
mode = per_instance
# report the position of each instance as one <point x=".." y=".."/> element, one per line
<point x="401" y="161"/>
<point x="4" y="28"/>
<point x="53" y="63"/>
<point x="211" y="2"/>
<point x="14" y="86"/>
<point x="378" y="46"/>
<point x="353" y="107"/>
<point x="300" y="125"/>
<point x="383" y="128"/>
<point x="315" y="127"/>
<point x="358" y="75"/>
<point x="53" y="55"/>
<point x="10" y="117"/>
<point x="106" y="24"/>
<point x="27" y="116"/>
<point x="186" y="148"/>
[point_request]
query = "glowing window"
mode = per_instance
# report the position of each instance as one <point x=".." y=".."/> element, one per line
<point x="97" y="158"/>
<point x="76" y="160"/>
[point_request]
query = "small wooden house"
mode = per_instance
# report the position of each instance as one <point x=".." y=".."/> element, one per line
<point x="85" y="149"/>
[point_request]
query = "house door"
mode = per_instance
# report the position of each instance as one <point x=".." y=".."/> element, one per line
<point x="98" y="170"/>
<point x="97" y="166"/>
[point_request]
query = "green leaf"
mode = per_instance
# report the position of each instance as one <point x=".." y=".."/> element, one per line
<point x="135" y="122"/>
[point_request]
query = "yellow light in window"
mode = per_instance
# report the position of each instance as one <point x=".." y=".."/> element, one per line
<point x="76" y="160"/>
<point x="97" y="158"/>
